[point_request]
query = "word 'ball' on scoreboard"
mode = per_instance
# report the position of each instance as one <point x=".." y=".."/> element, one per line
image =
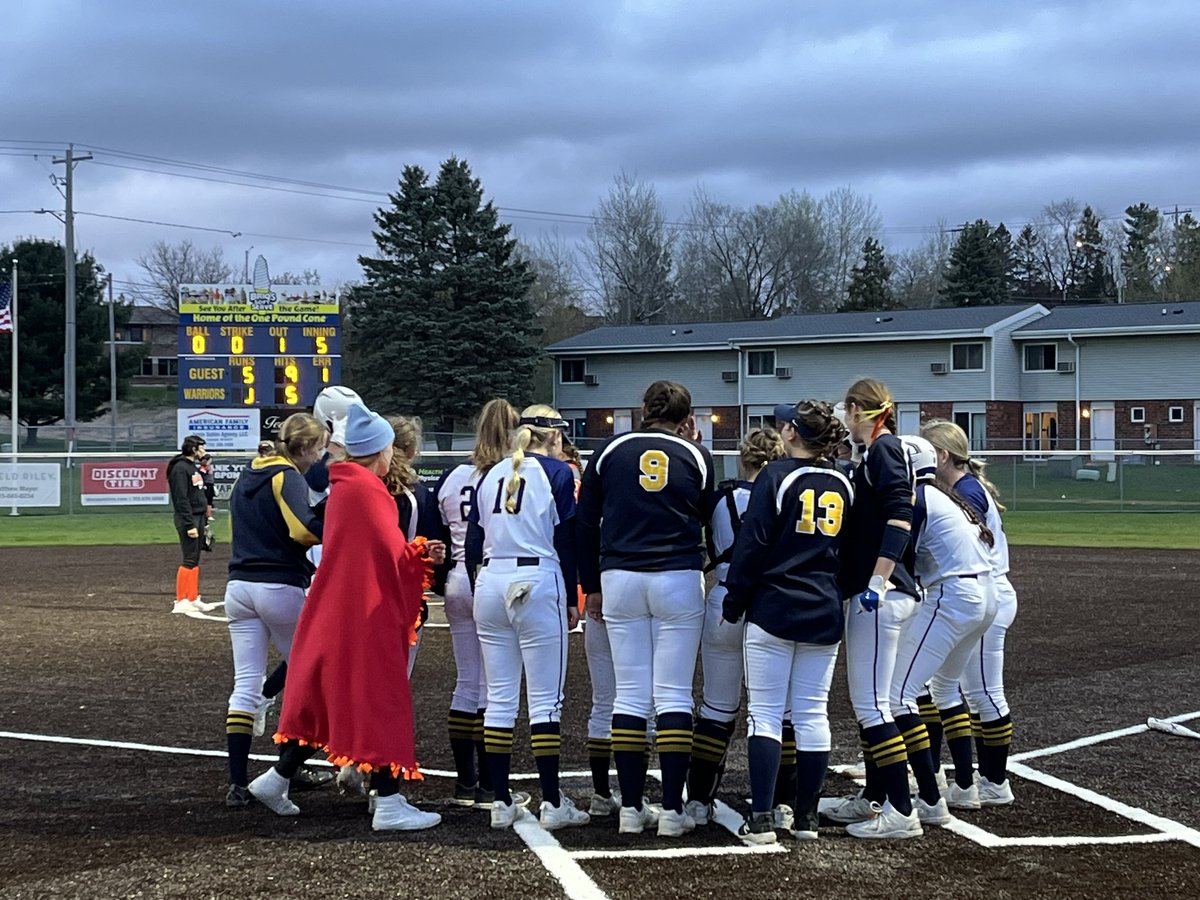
<point x="257" y="346"/>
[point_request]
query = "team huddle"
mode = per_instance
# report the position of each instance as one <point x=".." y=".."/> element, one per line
<point x="836" y="530"/>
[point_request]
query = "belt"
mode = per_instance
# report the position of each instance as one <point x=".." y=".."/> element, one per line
<point x="522" y="561"/>
<point x="966" y="576"/>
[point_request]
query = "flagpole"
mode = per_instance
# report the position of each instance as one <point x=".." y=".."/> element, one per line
<point x="15" y="427"/>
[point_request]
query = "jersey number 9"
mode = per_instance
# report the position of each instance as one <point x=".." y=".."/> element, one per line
<point x="654" y="464"/>
<point x="830" y="503"/>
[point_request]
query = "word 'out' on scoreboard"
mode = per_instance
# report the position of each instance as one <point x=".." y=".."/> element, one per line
<point x="257" y="345"/>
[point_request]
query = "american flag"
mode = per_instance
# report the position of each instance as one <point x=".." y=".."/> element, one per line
<point x="6" y="307"/>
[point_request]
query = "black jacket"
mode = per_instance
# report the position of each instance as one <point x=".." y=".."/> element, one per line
<point x="187" y="493"/>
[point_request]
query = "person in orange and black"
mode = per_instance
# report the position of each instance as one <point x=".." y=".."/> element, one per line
<point x="190" y="504"/>
<point x="347" y="690"/>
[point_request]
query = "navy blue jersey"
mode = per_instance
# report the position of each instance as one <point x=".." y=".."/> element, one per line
<point x="272" y="524"/>
<point x="419" y="516"/>
<point x="784" y="570"/>
<point x="642" y="506"/>
<point x="883" y="491"/>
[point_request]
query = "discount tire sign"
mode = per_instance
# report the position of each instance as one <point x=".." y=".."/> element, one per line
<point x="124" y="484"/>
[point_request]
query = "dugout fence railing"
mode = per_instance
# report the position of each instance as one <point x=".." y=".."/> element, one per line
<point x="99" y="483"/>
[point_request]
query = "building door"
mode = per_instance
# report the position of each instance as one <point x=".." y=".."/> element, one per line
<point x="622" y="421"/>
<point x="1041" y="429"/>
<point x="704" y="424"/>
<point x="1104" y="431"/>
<point x="972" y="419"/>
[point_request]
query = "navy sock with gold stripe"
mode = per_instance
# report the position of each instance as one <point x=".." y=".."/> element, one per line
<point x="461" y="726"/>
<point x="498" y="744"/>
<point x="546" y="740"/>
<point x="629" y="754"/>
<point x="956" y="721"/>
<point x="886" y="747"/>
<point x="997" y="738"/>
<point x="239" y="734"/>
<point x="916" y="744"/>
<point x="481" y="766"/>
<point x="785" y="781"/>
<point x="710" y="740"/>
<point x="674" y="743"/>
<point x="599" y="757"/>
<point x="933" y="725"/>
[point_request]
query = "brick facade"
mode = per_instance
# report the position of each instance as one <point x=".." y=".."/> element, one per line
<point x="1005" y="424"/>
<point x="599" y="425"/>
<point x="930" y="411"/>
<point x="1170" y="435"/>
<point x="727" y="430"/>
<point x="1066" y="426"/>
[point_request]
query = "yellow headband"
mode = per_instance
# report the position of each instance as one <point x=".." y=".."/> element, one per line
<point x="872" y="413"/>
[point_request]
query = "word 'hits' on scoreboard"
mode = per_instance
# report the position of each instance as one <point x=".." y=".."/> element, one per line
<point x="257" y="346"/>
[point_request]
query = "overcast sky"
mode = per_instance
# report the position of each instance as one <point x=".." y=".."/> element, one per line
<point x="939" y="111"/>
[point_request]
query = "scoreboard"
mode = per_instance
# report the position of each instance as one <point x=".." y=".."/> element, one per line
<point x="250" y="347"/>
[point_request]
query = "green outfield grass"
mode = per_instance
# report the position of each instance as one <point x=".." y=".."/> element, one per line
<point x="1179" y="531"/>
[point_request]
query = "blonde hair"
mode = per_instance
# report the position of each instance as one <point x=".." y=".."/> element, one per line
<point x="497" y="419"/>
<point x="950" y="437"/>
<point x="401" y="476"/>
<point x="527" y="436"/>
<point x="874" y="401"/>
<point x="299" y="434"/>
<point x="758" y="448"/>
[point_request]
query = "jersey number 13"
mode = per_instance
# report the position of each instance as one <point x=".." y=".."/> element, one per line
<point x="830" y="504"/>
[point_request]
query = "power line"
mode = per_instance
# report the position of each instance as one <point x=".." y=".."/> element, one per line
<point x="227" y="231"/>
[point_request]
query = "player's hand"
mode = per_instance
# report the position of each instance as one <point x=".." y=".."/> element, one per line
<point x="732" y="610"/>
<point x="436" y="551"/>
<point x="572" y="617"/>
<point x="870" y="599"/>
<point x="193" y="532"/>
<point x="594" y="605"/>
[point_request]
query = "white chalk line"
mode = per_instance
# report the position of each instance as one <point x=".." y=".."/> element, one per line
<point x="576" y="883"/>
<point x="1176" y="830"/>
<point x="679" y="852"/>
<point x="1096" y="739"/>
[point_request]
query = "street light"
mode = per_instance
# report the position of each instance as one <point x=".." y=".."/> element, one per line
<point x="246" y="266"/>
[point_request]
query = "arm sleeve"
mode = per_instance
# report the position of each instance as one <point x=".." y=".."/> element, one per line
<point x="291" y="495"/>
<point x="587" y="530"/>
<point x="473" y="545"/>
<point x="708" y="495"/>
<point x="888" y="468"/>
<point x="181" y="485"/>
<point x="754" y="541"/>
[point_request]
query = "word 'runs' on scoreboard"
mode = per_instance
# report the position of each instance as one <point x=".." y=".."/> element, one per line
<point x="257" y="346"/>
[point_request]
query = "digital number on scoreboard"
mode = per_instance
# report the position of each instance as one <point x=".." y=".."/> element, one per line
<point x="242" y="346"/>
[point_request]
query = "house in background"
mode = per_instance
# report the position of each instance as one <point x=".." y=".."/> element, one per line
<point x="1012" y="376"/>
<point x="159" y="328"/>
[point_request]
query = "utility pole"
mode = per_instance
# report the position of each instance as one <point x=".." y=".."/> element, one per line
<point x="112" y="364"/>
<point x="69" y="270"/>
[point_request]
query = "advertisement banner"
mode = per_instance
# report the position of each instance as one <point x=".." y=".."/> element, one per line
<point x="133" y="483"/>
<point x="222" y="429"/>
<point x="30" y="484"/>
<point x="226" y="470"/>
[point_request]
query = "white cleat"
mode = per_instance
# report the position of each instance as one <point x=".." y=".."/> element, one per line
<point x="940" y="775"/>
<point x="605" y="806"/>
<point x="635" y="821"/>
<point x="932" y="814"/>
<point x="701" y="813"/>
<point x="887" y="824"/>
<point x="504" y="814"/>
<point x="350" y="782"/>
<point x="271" y="790"/>
<point x="962" y="798"/>
<point x="758" y="829"/>
<point x="783" y="817"/>
<point x="565" y="815"/>
<point x="994" y="794"/>
<point x="201" y="606"/>
<point x="184" y="607"/>
<point x="394" y="813"/>
<point x="674" y="824"/>
<point x="849" y="810"/>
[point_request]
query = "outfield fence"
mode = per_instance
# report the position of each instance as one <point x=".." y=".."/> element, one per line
<point x="98" y="483"/>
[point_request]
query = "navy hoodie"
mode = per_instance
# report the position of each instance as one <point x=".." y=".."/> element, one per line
<point x="273" y="525"/>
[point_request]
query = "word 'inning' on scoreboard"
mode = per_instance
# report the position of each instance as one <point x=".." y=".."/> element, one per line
<point x="258" y="345"/>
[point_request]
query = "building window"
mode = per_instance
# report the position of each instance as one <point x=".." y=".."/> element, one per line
<point x="1137" y="414"/>
<point x="135" y="333"/>
<point x="147" y="366"/>
<point x="571" y="371"/>
<point x="966" y="357"/>
<point x="577" y="421"/>
<point x="1175" y="414"/>
<point x="166" y="365"/>
<point x="1041" y="431"/>
<point x="760" y="362"/>
<point x="975" y="426"/>
<point x="1041" y="357"/>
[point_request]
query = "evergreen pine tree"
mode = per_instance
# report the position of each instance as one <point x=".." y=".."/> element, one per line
<point x="441" y="323"/>
<point x="1183" y="281"/>
<point x="1140" y="260"/>
<point x="980" y="266"/>
<point x="41" y="330"/>
<point x="1030" y="283"/>
<point x="1004" y="264"/>
<point x="869" y="288"/>
<point x="1094" y="283"/>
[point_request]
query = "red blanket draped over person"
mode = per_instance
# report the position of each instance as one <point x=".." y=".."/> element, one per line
<point x="347" y="681"/>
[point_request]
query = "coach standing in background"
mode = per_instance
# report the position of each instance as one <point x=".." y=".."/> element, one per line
<point x="190" y="504"/>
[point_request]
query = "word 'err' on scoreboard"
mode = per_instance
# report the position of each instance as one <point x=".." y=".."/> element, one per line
<point x="242" y="345"/>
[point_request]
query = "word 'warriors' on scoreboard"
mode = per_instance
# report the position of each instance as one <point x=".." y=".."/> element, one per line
<point x="257" y="345"/>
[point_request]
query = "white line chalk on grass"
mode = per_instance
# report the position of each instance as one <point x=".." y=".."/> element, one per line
<point x="679" y="852"/>
<point x="1096" y="739"/>
<point x="576" y="883"/>
<point x="1176" y="830"/>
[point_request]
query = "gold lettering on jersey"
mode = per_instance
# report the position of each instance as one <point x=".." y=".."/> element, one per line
<point x="654" y="465"/>
<point x="830" y="503"/>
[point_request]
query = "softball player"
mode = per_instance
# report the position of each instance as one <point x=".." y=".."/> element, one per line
<point x="721" y="657"/>
<point x="784" y="577"/>
<point x="953" y="562"/>
<point x="191" y="510"/>
<point x="454" y="494"/>
<point x="876" y="575"/>
<point x="983" y="677"/>
<point x="273" y="525"/>
<point x="521" y="532"/>
<point x="643" y="503"/>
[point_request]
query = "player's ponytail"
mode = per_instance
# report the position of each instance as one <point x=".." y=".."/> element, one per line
<point x="985" y="533"/>
<point x="758" y="448"/>
<point x="401" y="476"/>
<point x="874" y="401"/>
<point x="666" y="404"/>
<point x="818" y="428"/>
<point x="526" y="437"/>
<point x="950" y="437"/>
<point x="493" y="433"/>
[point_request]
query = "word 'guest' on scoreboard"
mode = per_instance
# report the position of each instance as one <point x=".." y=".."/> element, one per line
<point x="258" y="345"/>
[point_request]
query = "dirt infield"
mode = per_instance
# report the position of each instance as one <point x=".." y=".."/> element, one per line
<point x="1103" y="639"/>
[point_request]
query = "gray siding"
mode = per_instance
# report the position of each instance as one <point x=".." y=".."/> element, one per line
<point x="624" y="377"/>
<point x="1007" y="356"/>
<point x="827" y="370"/>
<point x="1041" y="387"/>
<point x="1154" y="367"/>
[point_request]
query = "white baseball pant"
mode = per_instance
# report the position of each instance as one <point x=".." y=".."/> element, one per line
<point x="983" y="677"/>
<point x="721" y="661"/>
<point x="872" y="640"/>
<point x="259" y="614"/>
<point x="655" y="620"/>
<point x="778" y="669"/>
<point x="470" y="688"/>
<point x="604" y="680"/>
